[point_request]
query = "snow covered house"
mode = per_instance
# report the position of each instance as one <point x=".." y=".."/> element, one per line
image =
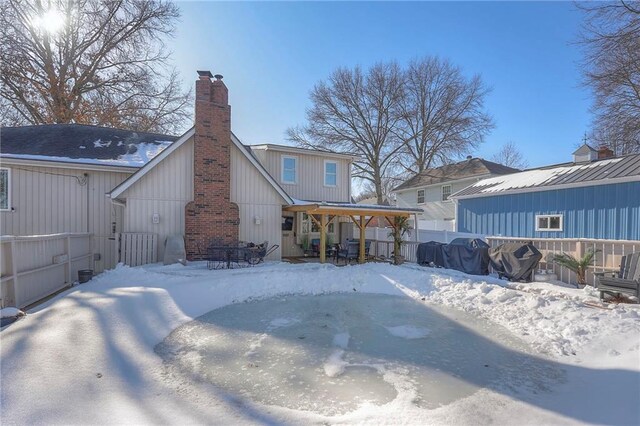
<point x="202" y="185"/>
<point x="430" y="190"/>
<point x="53" y="179"/>
<point x="596" y="196"/>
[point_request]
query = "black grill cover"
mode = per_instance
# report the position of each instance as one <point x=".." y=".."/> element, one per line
<point x="469" y="242"/>
<point x="430" y="252"/>
<point x="463" y="257"/>
<point x="515" y="261"/>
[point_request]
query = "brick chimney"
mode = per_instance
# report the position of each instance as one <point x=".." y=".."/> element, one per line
<point x="211" y="214"/>
<point x="604" y="152"/>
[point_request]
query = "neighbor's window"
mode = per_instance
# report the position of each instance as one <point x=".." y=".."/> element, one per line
<point x="420" y="196"/>
<point x="289" y="169"/>
<point x="330" y="173"/>
<point x="5" y="192"/>
<point x="446" y="192"/>
<point x="549" y="222"/>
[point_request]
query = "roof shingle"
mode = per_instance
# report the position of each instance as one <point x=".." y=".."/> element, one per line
<point x="464" y="169"/>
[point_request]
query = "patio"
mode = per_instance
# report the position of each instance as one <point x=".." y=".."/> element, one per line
<point x="360" y="214"/>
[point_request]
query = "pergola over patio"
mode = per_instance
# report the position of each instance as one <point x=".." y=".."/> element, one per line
<point x="361" y="214"/>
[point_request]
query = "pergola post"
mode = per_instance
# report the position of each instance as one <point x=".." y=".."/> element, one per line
<point x="323" y="238"/>
<point x="363" y="227"/>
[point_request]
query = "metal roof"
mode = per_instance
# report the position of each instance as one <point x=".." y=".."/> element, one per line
<point x="468" y="168"/>
<point x="598" y="172"/>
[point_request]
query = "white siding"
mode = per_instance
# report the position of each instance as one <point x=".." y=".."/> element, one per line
<point x="434" y="208"/>
<point x="165" y="190"/>
<point x="168" y="187"/>
<point x="309" y="176"/>
<point x="48" y="200"/>
<point x="255" y="197"/>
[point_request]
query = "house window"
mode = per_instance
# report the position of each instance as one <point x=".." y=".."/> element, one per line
<point x="446" y="192"/>
<point x="330" y="173"/>
<point x="549" y="222"/>
<point x="289" y="169"/>
<point x="420" y="196"/>
<point x="5" y="189"/>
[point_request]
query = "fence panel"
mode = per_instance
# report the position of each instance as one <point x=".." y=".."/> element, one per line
<point x="34" y="267"/>
<point x="137" y="249"/>
<point x="608" y="258"/>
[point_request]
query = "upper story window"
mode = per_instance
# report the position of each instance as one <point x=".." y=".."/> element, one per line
<point x="548" y="222"/>
<point x="289" y="169"/>
<point x="5" y="189"/>
<point x="420" y="196"/>
<point x="330" y="173"/>
<point x="446" y="192"/>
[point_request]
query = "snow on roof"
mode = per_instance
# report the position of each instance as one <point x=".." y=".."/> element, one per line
<point x="77" y="143"/>
<point x="620" y="167"/>
<point x="142" y="154"/>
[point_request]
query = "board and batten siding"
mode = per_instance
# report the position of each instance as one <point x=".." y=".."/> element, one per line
<point x="609" y="212"/>
<point x="310" y="175"/>
<point x="52" y="200"/>
<point x="256" y="199"/>
<point x="164" y="190"/>
<point x="168" y="187"/>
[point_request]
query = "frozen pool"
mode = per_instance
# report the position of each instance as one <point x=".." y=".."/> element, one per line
<point x="330" y="354"/>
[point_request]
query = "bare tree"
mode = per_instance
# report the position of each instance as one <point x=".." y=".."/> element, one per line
<point x="611" y="38"/>
<point x="510" y="156"/>
<point x="442" y="112"/>
<point x="354" y="112"/>
<point x="90" y="61"/>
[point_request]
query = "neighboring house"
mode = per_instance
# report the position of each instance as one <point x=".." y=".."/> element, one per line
<point x="596" y="196"/>
<point x="54" y="178"/>
<point x="203" y="185"/>
<point x="430" y="190"/>
<point x="378" y="222"/>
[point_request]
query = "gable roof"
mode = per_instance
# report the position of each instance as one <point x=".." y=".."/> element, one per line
<point x="598" y="172"/>
<point x="295" y="149"/>
<point x="584" y="149"/>
<point x="79" y="143"/>
<point x="118" y="190"/>
<point x="468" y="168"/>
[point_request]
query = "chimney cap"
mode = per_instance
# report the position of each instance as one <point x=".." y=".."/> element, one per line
<point x="469" y="157"/>
<point x="205" y="74"/>
<point x="218" y="77"/>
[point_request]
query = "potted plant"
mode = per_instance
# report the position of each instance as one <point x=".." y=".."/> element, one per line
<point x="401" y="227"/>
<point x="304" y="243"/>
<point x="577" y="265"/>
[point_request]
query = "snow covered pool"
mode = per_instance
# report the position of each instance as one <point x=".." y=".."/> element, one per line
<point x="334" y="353"/>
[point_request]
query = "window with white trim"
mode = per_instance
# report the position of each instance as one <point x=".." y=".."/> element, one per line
<point x="289" y="169"/>
<point x="330" y="173"/>
<point x="548" y="222"/>
<point x="420" y="196"/>
<point x="446" y="192"/>
<point x="5" y="189"/>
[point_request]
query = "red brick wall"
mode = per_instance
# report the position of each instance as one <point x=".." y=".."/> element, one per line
<point x="211" y="214"/>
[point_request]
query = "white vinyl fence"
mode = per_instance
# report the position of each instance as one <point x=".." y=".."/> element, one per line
<point x="34" y="267"/>
<point x="137" y="249"/>
<point x="608" y="258"/>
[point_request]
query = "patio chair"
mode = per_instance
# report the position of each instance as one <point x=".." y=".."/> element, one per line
<point x="625" y="281"/>
<point x="349" y="253"/>
<point x="315" y="246"/>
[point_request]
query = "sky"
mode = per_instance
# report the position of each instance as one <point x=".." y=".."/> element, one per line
<point x="272" y="54"/>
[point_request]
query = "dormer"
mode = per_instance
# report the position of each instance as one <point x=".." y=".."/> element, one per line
<point x="584" y="154"/>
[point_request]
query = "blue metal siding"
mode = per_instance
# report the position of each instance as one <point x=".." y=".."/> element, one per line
<point x="601" y="211"/>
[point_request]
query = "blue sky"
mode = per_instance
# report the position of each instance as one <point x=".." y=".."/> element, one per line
<point x="271" y="55"/>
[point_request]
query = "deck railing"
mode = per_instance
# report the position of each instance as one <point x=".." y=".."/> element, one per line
<point x="34" y="267"/>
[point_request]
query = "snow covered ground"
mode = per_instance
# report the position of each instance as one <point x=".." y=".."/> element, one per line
<point x="88" y="355"/>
